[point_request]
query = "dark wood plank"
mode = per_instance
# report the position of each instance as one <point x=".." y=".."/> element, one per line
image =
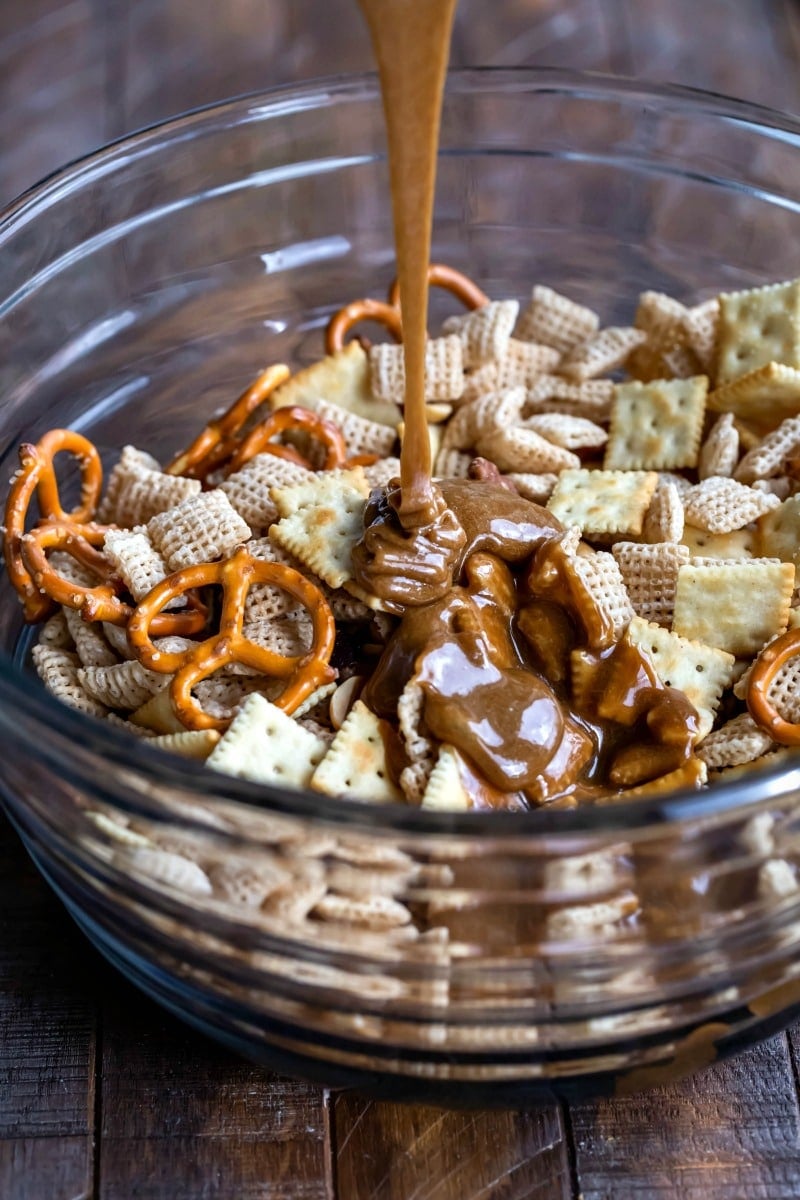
<point x="182" y="1118"/>
<point x="392" y="1152"/>
<point x="47" y="1039"/>
<point x="729" y="1132"/>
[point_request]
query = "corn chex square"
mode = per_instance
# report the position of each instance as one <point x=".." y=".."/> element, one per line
<point x="555" y="320"/>
<point x="554" y="394"/>
<point x="342" y="379"/>
<point x="719" y="453"/>
<point x="525" y="450"/>
<point x="524" y="362"/>
<point x="248" y="489"/>
<point x="656" y="426"/>
<point x="262" y="743"/>
<point x="735" y="606"/>
<point x="650" y="573"/>
<point x="444" y="370"/>
<point x="661" y="318"/>
<point x="603" y="502"/>
<point x="721" y="505"/>
<point x="603" y="352"/>
<point x="356" y="764"/>
<point x="700" y="671"/>
<point x="763" y="398"/>
<point x="735" y="743"/>
<point x="321" y="520"/>
<point x="756" y="327"/>
<point x="770" y="456"/>
<point x="485" y="332"/>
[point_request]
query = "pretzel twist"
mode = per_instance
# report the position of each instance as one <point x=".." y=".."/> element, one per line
<point x="258" y="441"/>
<point x="763" y="672"/>
<point x="236" y="575"/>
<point x="220" y="437"/>
<point x="387" y="313"/>
<point x="37" y="476"/>
<point x="101" y="602"/>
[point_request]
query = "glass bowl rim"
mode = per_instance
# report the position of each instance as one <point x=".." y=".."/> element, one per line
<point x="25" y="696"/>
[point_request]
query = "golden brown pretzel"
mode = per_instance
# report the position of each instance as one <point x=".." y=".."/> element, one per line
<point x="258" y="441"/>
<point x="36" y="476"/>
<point x="303" y="673"/>
<point x="440" y="275"/>
<point x="101" y="602"/>
<point x="218" y="440"/>
<point x="762" y="673"/>
<point x="353" y="314"/>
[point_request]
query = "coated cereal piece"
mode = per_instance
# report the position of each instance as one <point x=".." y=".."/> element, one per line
<point x="374" y="912"/>
<point x="58" y="671"/>
<point x="137" y="489"/>
<point x="525" y="450"/>
<point x="55" y="631"/>
<point x="342" y="379"/>
<point x="650" y="574"/>
<point x="321" y="521"/>
<point x="90" y="645"/>
<point x="495" y="410"/>
<point x="536" y="487"/>
<point x="719" y="453"/>
<point x="552" y="393"/>
<point x="771" y="456"/>
<point x="262" y="743"/>
<point x="191" y="743"/>
<point x="605" y="351"/>
<point x="555" y="320"/>
<point x="524" y="362"/>
<point x="136" y="561"/>
<point x="603" y="590"/>
<point x="126" y="685"/>
<point x="202" y="529"/>
<point x="762" y="398"/>
<point x="721" y="505"/>
<point x="656" y="426"/>
<point x="603" y="502"/>
<point x="249" y="489"/>
<point x="736" y="742"/>
<point x="445" y="791"/>
<point x="360" y="435"/>
<point x="452" y="464"/>
<point x="572" y="433"/>
<point x="756" y="327"/>
<point x="420" y="750"/>
<point x="485" y="332"/>
<point x="355" y="764"/>
<point x="664" y="520"/>
<point x="700" y="671"/>
<point x="735" y="606"/>
<point x="444" y="371"/>
<point x="162" y="866"/>
<point x="692" y="774"/>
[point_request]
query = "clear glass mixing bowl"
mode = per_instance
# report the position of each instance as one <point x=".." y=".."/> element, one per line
<point x="542" y="953"/>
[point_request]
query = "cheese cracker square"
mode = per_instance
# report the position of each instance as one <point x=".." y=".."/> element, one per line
<point x="265" y="745"/>
<point x="603" y="502"/>
<point x="700" y="671"/>
<point x="756" y="327"/>
<point x="656" y="426"/>
<point x="343" y="379"/>
<point x="778" y="533"/>
<point x="321" y="520"/>
<point x="735" y="606"/>
<point x="445" y="791"/>
<point x="355" y="764"/>
<point x="763" y="398"/>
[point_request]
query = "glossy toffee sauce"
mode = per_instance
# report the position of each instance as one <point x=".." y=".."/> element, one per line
<point x="488" y="606"/>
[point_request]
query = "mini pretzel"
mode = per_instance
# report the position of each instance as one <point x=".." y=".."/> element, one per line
<point x="440" y="275"/>
<point x="100" y="603"/>
<point x="219" y="438"/>
<point x="37" y="476"/>
<point x="762" y="673"/>
<point x="258" y="441"/>
<point x="236" y="575"/>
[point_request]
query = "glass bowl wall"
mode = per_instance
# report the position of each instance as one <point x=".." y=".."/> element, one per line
<point x="527" y="955"/>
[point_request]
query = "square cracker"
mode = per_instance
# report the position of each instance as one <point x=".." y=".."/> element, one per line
<point x="603" y="502"/>
<point x="322" y="518"/>
<point x="756" y="327"/>
<point x="445" y="791"/>
<point x="263" y="744"/>
<point x="763" y="398"/>
<point x="742" y="543"/>
<point x="356" y="764"/>
<point x="701" y="672"/>
<point x="656" y="426"/>
<point x="735" y="606"/>
<point x="342" y="378"/>
<point x="778" y="533"/>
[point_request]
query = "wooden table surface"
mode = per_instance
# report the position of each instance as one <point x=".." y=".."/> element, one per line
<point x="101" y="1094"/>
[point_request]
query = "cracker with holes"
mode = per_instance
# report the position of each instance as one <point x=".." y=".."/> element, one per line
<point x="262" y="743"/>
<point x="721" y="505"/>
<point x="650" y="574"/>
<point x="321" y="521"/>
<point x="700" y="671"/>
<point x="555" y="320"/>
<point x="603" y="502"/>
<point x="445" y="791"/>
<point x="735" y="606"/>
<point x="763" y="398"/>
<point x="756" y="327"/>
<point x="778" y="534"/>
<point x="741" y="544"/>
<point x="656" y="426"/>
<point x="342" y="379"/>
<point x="356" y="764"/>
